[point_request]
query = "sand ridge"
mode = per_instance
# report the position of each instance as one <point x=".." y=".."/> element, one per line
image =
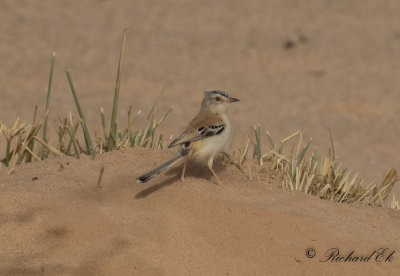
<point x="54" y="220"/>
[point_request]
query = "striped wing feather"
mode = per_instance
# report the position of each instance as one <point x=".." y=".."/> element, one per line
<point x="202" y="126"/>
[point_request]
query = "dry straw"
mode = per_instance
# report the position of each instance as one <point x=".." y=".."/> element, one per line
<point x="306" y="172"/>
<point x="23" y="143"/>
<point x="393" y="203"/>
<point x="323" y="176"/>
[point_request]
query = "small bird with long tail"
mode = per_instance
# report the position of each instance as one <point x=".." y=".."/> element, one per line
<point x="204" y="137"/>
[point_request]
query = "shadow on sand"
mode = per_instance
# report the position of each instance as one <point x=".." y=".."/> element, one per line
<point x="193" y="170"/>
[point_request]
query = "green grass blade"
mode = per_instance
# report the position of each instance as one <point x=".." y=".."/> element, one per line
<point x="333" y="149"/>
<point x="165" y="115"/>
<point x="133" y="121"/>
<point x="88" y="141"/>
<point x="113" y="126"/>
<point x="53" y="59"/>
<point x="270" y="140"/>
<point x="155" y="102"/>
<point x="133" y="138"/>
<point x="159" y="141"/>
<point x="72" y="140"/>
<point x="7" y="161"/>
<point x="258" y="144"/>
<point x="302" y="153"/>
<point x="314" y="157"/>
<point x="103" y="123"/>
<point x="155" y="125"/>
<point x="72" y="135"/>
<point x="30" y="146"/>
<point x="129" y="116"/>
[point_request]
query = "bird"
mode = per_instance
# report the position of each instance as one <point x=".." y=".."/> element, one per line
<point x="204" y="137"/>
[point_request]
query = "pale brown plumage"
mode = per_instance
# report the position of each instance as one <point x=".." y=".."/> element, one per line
<point x="191" y="133"/>
<point x="204" y="137"/>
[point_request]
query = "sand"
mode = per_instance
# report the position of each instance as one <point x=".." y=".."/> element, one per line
<point x="343" y="76"/>
<point x="55" y="220"/>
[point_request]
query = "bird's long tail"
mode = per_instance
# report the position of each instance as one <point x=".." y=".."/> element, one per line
<point x="147" y="176"/>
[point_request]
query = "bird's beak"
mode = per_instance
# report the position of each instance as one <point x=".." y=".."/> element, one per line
<point x="232" y="100"/>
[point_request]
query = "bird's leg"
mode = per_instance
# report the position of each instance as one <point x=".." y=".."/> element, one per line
<point x="210" y="163"/>
<point x="183" y="170"/>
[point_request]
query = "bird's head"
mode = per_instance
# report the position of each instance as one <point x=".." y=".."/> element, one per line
<point x="217" y="101"/>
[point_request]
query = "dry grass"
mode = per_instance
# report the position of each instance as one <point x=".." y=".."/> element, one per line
<point x="322" y="176"/>
<point x="394" y="204"/>
<point x="23" y="142"/>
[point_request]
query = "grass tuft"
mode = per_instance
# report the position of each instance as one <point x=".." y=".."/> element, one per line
<point x="23" y="141"/>
<point x="326" y="179"/>
<point x="321" y="176"/>
<point x="88" y="140"/>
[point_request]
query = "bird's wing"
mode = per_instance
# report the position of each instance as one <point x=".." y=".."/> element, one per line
<point x="202" y="126"/>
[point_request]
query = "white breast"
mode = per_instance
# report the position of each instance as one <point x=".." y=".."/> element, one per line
<point x="205" y="149"/>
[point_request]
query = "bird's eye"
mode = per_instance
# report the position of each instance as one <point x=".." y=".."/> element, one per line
<point x="217" y="99"/>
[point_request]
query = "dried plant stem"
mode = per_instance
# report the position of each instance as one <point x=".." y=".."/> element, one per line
<point x="53" y="59"/>
<point x="237" y="164"/>
<point x="100" y="177"/>
<point x="48" y="147"/>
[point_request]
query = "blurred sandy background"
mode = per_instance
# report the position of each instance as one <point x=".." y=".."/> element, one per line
<point x="345" y="76"/>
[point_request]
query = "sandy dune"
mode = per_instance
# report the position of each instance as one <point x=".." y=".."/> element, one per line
<point x="54" y="220"/>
